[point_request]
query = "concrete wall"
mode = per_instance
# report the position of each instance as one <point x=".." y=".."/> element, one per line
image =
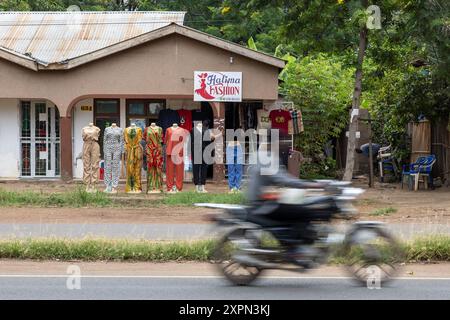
<point x="80" y="120"/>
<point x="10" y="137"/>
<point x="161" y="68"/>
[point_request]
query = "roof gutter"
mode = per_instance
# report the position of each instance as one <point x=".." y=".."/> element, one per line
<point x="18" y="58"/>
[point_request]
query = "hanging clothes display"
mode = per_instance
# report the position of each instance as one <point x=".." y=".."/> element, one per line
<point x="134" y="153"/>
<point x="202" y="114"/>
<point x="297" y="121"/>
<point x="112" y="150"/>
<point x="166" y="118"/>
<point x="185" y="119"/>
<point x="280" y="120"/>
<point x="91" y="156"/>
<point x="174" y="141"/>
<point x="154" y="137"/>
<point x="263" y="119"/>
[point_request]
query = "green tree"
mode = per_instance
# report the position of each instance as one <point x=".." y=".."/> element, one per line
<point x="320" y="86"/>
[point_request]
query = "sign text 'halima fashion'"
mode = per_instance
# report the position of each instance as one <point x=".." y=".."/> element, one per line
<point x="217" y="86"/>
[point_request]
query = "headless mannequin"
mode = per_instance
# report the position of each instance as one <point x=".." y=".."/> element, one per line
<point x="134" y="170"/>
<point x="91" y="156"/>
<point x="178" y="185"/>
<point x="113" y="150"/>
<point x="199" y="167"/>
<point x="150" y="185"/>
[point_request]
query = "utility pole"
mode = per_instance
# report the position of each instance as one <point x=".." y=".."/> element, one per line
<point x="370" y="153"/>
<point x="371" y="177"/>
<point x="353" y="127"/>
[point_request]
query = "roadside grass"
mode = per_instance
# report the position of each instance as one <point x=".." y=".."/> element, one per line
<point x="75" y="198"/>
<point x="382" y="212"/>
<point x="434" y="248"/>
<point x="80" y="198"/>
<point x="189" y="198"/>
<point x="105" y="250"/>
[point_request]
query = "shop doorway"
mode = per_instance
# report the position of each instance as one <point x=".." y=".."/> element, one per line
<point x="106" y="112"/>
<point x="40" y="140"/>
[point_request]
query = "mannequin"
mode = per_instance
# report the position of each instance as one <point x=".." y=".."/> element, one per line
<point x="174" y="141"/>
<point x="112" y="150"/>
<point x="153" y="136"/>
<point x="235" y="165"/>
<point x="91" y="156"/>
<point x="134" y="154"/>
<point x="201" y="137"/>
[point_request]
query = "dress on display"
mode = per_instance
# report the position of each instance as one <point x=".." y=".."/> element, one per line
<point x="133" y="148"/>
<point x="112" y="150"/>
<point x="200" y="139"/>
<point x="91" y="155"/>
<point x="174" y="141"/>
<point x="154" y="138"/>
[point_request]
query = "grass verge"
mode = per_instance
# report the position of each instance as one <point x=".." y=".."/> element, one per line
<point x="76" y="198"/>
<point x="436" y="248"/>
<point x="383" y="212"/>
<point x="80" y="198"/>
<point x="189" y="198"/>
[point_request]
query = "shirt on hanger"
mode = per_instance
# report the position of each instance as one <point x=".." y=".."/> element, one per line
<point x="280" y="120"/>
<point x="167" y="118"/>
<point x="185" y="119"/>
<point x="263" y="119"/>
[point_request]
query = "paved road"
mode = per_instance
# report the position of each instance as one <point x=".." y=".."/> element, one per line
<point x="214" y="288"/>
<point x="166" y="231"/>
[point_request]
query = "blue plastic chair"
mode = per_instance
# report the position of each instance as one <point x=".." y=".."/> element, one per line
<point x="423" y="166"/>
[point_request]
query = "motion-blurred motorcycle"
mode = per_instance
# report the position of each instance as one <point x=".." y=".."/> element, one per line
<point x="251" y="243"/>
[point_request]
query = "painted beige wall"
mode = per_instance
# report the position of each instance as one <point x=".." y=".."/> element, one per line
<point x="153" y="69"/>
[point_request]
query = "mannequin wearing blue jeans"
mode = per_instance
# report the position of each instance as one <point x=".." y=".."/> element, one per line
<point x="235" y="163"/>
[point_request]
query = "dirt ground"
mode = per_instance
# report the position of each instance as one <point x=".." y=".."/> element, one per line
<point x="423" y="206"/>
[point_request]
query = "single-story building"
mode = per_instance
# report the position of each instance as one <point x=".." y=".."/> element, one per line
<point x="60" y="71"/>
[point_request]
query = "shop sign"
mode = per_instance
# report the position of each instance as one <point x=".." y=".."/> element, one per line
<point x="217" y="86"/>
<point x="86" y="108"/>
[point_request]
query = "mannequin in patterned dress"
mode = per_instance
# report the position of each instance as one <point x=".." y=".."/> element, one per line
<point x="134" y="153"/>
<point x="153" y="136"/>
<point x="112" y="150"/>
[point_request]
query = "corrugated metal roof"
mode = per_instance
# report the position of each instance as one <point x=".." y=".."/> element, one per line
<point x="52" y="37"/>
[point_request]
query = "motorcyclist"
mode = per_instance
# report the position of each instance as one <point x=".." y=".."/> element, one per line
<point x="263" y="175"/>
<point x="267" y="173"/>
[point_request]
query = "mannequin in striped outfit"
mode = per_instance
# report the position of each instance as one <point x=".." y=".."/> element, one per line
<point x="112" y="150"/>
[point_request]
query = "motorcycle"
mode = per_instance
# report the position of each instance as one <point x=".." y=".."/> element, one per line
<point x="251" y="243"/>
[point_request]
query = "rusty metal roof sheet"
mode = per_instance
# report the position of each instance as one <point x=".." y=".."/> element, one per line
<point x="54" y="37"/>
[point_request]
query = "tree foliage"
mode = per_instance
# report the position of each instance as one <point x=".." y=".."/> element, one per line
<point x="406" y="68"/>
<point x="321" y="87"/>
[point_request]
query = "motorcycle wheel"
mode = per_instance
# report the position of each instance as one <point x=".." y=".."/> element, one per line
<point x="373" y="259"/>
<point x="236" y="272"/>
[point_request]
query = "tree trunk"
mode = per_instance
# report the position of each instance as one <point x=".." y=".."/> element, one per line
<point x="353" y="128"/>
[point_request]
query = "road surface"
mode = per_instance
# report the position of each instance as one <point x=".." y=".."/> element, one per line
<point x="214" y="288"/>
<point x="190" y="280"/>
